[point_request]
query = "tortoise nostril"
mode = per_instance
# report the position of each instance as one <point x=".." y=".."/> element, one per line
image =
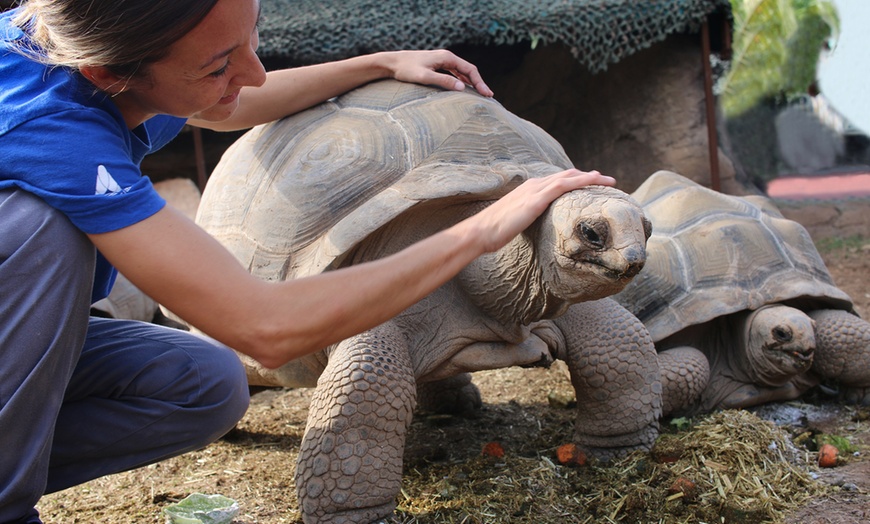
<point x="632" y="270"/>
<point x="635" y="259"/>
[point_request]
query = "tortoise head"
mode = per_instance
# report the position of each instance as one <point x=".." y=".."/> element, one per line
<point x="592" y="243"/>
<point x="780" y="344"/>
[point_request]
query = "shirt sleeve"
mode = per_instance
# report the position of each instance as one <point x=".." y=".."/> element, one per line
<point x="81" y="163"/>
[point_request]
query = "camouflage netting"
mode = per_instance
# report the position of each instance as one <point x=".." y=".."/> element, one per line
<point x="598" y="32"/>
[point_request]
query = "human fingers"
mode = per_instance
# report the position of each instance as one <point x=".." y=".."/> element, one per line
<point x="571" y="179"/>
<point x="467" y="73"/>
<point x="514" y="212"/>
<point x="535" y="194"/>
<point x="474" y="80"/>
<point x="426" y="67"/>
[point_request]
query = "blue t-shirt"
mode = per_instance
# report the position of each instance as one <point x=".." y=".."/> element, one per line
<point x="66" y="142"/>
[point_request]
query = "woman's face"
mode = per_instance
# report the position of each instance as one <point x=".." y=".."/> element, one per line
<point x="204" y="70"/>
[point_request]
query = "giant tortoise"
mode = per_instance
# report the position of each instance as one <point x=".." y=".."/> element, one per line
<point x="739" y="302"/>
<point x="368" y="173"/>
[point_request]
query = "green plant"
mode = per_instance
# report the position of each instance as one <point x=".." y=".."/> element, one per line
<point x="776" y="47"/>
<point x="681" y="423"/>
<point x="833" y="244"/>
<point x="841" y="443"/>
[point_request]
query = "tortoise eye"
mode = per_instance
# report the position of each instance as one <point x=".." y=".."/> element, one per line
<point x="591" y="235"/>
<point x="782" y="334"/>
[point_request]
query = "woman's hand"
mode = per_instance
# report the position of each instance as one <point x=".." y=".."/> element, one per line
<point x="516" y="211"/>
<point x="288" y="91"/>
<point x="425" y="67"/>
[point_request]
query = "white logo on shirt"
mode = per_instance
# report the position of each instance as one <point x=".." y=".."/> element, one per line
<point x="106" y="185"/>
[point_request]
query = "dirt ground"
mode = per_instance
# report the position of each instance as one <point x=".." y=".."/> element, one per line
<point x="447" y="479"/>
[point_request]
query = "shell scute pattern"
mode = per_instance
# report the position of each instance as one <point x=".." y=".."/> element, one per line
<point x="394" y="148"/>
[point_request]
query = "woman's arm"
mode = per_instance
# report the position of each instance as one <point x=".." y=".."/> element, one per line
<point x="178" y="264"/>
<point x="289" y="91"/>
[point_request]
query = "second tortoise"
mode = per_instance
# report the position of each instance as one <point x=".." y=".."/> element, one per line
<point x="739" y="303"/>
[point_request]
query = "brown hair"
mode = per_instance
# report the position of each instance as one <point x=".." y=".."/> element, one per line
<point x="121" y="35"/>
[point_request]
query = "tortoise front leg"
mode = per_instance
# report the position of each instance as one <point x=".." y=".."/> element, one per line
<point x="350" y="462"/>
<point x="615" y="373"/>
<point x="843" y="352"/>
<point x="685" y="374"/>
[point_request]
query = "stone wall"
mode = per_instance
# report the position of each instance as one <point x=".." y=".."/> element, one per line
<point x="642" y="115"/>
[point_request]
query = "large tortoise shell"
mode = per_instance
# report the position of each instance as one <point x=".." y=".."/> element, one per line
<point x="292" y="197"/>
<point x="713" y="254"/>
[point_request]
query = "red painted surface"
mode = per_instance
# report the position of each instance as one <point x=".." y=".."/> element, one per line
<point x="823" y="186"/>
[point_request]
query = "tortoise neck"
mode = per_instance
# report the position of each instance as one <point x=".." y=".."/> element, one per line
<point x="508" y="284"/>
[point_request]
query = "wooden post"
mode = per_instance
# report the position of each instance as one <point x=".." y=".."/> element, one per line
<point x="199" y="154"/>
<point x="710" y="103"/>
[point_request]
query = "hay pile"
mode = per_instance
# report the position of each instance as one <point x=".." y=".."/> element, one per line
<point x="746" y="468"/>
<point x="731" y="467"/>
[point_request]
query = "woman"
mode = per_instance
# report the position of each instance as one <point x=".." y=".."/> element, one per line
<point x="88" y="88"/>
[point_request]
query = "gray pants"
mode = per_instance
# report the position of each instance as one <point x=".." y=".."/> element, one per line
<point x="83" y="397"/>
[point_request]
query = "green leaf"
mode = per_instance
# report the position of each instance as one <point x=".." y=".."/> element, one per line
<point x="761" y="30"/>
<point x="776" y="47"/>
<point x="681" y="423"/>
<point x="817" y="23"/>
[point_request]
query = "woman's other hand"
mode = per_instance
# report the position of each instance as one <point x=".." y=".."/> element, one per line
<point x="440" y="67"/>
<point x="516" y="211"/>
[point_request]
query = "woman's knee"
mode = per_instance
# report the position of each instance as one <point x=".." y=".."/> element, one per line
<point x="224" y="390"/>
<point x="216" y="375"/>
<point x="180" y="370"/>
<point x="228" y="382"/>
